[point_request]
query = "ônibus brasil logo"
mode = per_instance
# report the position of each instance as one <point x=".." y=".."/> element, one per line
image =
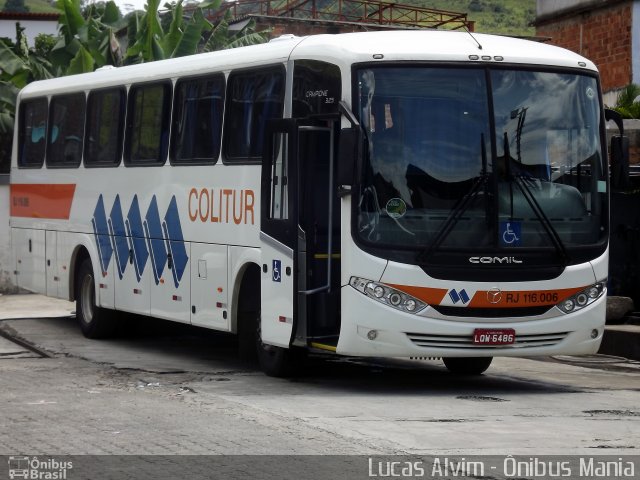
<point x="38" y="469"/>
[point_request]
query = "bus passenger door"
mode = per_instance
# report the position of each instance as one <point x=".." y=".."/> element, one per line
<point x="279" y="234"/>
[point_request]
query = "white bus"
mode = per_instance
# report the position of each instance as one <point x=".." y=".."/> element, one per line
<point x="391" y="194"/>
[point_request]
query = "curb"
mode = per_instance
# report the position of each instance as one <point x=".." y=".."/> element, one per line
<point x="621" y="341"/>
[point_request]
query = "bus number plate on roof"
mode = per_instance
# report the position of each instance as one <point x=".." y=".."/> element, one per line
<point x="494" y="336"/>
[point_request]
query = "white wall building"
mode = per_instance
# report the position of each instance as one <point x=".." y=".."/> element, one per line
<point x="33" y="23"/>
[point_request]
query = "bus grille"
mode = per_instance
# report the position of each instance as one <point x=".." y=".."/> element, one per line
<point x="491" y="312"/>
<point x="466" y="341"/>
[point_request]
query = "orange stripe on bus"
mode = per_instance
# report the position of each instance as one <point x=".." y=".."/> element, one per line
<point x="431" y="296"/>
<point x="42" y="200"/>
<point x="524" y="298"/>
<point x="494" y="299"/>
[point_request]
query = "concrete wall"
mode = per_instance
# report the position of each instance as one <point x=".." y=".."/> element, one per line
<point x="603" y="32"/>
<point x="6" y="260"/>
<point x="552" y="7"/>
<point x="632" y="130"/>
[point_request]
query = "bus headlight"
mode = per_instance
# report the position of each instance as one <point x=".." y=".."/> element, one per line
<point x="582" y="298"/>
<point x="387" y="295"/>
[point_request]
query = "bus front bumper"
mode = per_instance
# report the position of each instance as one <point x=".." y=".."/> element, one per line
<point x="369" y="328"/>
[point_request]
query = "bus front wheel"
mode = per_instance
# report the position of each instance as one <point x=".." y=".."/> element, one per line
<point x="468" y="365"/>
<point x="276" y="361"/>
<point x="94" y="321"/>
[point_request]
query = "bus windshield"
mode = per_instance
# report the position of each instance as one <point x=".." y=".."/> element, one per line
<point x="480" y="158"/>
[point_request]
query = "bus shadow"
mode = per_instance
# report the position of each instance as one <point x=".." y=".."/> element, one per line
<point x="353" y="375"/>
<point x="180" y="348"/>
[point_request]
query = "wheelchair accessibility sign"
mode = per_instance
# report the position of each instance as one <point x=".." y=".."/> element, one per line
<point x="276" y="271"/>
<point x="510" y="234"/>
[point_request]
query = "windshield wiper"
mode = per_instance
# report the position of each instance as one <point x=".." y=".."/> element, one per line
<point x="459" y="208"/>
<point x="521" y="182"/>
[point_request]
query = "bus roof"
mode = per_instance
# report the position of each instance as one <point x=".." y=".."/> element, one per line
<point x="344" y="49"/>
<point x="441" y="45"/>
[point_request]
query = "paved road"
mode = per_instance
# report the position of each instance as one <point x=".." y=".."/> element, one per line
<point x="176" y="390"/>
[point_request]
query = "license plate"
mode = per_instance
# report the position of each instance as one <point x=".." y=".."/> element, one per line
<point x="485" y="336"/>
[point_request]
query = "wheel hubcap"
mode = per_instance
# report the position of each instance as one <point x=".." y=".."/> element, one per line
<point x="87" y="295"/>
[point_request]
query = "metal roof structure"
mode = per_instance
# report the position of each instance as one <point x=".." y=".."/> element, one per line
<point x="373" y="12"/>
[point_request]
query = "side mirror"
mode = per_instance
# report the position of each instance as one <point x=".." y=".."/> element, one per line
<point x="350" y="147"/>
<point x="619" y="153"/>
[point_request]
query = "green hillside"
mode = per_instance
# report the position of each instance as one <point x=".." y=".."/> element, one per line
<point x="36" y="6"/>
<point x="491" y="16"/>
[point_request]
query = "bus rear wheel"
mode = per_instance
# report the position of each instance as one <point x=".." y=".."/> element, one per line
<point x="94" y="321"/>
<point x="467" y="365"/>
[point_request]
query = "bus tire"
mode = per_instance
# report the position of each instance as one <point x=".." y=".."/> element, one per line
<point x="467" y="365"/>
<point x="277" y="361"/>
<point x="94" y="321"/>
<point x="247" y="341"/>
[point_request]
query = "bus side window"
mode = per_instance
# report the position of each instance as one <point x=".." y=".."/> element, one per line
<point x="317" y="88"/>
<point x="197" y="120"/>
<point x="33" y="131"/>
<point x="148" y="124"/>
<point x="253" y="98"/>
<point x="66" y="130"/>
<point x="105" y="127"/>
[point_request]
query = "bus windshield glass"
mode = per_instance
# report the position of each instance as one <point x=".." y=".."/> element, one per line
<point x="480" y="158"/>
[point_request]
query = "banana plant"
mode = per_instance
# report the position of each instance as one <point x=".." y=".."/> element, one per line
<point x="85" y="44"/>
<point x="222" y="38"/>
<point x="149" y="41"/>
<point x="19" y="65"/>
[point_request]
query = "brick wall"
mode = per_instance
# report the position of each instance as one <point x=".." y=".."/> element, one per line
<point x="602" y="34"/>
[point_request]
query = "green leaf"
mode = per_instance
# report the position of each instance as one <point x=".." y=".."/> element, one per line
<point x="98" y="53"/>
<point x="634" y="110"/>
<point x="174" y="36"/>
<point x="254" y="38"/>
<point x="147" y="35"/>
<point x="72" y="16"/>
<point x="9" y="61"/>
<point x="82" y="63"/>
<point x="192" y="35"/>
<point x="156" y="50"/>
<point x="8" y="94"/>
<point x="6" y="123"/>
<point x="628" y="95"/>
<point x="40" y="68"/>
<point x="111" y="13"/>
<point x="83" y="33"/>
<point x="21" y="79"/>
<point x="134" y="51"/>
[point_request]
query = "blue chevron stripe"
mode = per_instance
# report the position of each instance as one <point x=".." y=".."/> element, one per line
<point x="175" y="241"/>
<point x="101" y="233"/>
<point x="140" y="239"/>
<point x="136" y="236"/>
<point x="118" y="234"/>
<point x="155" y="240"/>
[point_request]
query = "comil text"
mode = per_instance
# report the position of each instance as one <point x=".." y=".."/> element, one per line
<point x="222" y="205"/>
